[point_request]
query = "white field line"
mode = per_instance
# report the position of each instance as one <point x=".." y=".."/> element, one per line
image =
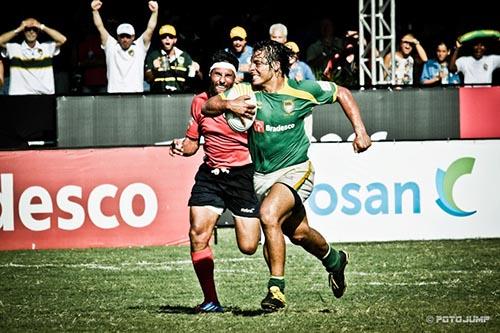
<point x="166" y="265"/>
<point x="397" y="284"/>
<point x="186" y="264"/>
<point x="484" y="271"/>
<point x="404" y="284"/>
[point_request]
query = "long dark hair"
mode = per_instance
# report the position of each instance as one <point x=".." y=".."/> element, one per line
<point x="274" y="51"/>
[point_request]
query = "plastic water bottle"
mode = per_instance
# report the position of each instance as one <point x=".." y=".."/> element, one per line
<point x="165" y="64"/>
<point x="443" y="71"/>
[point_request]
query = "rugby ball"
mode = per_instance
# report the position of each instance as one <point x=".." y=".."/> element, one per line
<point x="240" y="124"/>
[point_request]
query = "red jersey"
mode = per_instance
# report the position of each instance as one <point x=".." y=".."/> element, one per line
<point x="224" y="148"/>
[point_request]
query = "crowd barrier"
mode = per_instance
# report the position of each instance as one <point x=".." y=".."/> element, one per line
<point x="108" y="197"/>
<point x="26" y="119"/>
<point x="68" y="195"/>
<point x="137" y="196"/>
<point x="146" y="119"/>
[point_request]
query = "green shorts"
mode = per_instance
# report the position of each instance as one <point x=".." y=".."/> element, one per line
<point x="299" y="177"/>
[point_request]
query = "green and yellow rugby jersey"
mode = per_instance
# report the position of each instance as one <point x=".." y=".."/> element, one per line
<point x="277" y="138"/>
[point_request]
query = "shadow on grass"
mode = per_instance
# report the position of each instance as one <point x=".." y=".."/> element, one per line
<point x="190" y="310"/>
<point x="176" y="309"/>
<point x="247" y="313"/>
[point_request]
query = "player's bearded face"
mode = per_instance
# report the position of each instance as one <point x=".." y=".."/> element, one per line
<point x="222" y="79"/>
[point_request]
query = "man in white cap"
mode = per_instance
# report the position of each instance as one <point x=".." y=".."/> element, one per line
<point x="125" y="56"/>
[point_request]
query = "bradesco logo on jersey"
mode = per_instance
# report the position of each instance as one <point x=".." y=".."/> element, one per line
<point x="279" y="128"/>
<point x="36" y="200"/>
<point x="377" y="201"/>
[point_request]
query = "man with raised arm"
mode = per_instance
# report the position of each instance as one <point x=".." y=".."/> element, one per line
<point x="125" y="55"/>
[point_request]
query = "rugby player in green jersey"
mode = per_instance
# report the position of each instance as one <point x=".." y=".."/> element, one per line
<point x="284" y="175"/>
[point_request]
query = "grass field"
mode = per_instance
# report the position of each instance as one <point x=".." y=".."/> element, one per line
<point x="432" y="286"/>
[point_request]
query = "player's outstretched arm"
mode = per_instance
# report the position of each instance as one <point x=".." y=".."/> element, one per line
<point x="148" y="34"/>
<point x="216" y="106"/>
<point x="96" y="17"/>
<point x="362" y="140"/>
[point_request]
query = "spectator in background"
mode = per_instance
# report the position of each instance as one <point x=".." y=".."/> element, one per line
<point x="406" y="66"/>
<point x="170" y="69"/>
<point x="319" y="52"/>
<point x="91" y="65"/>
<point x="2" y="76"/>
<point x="278" y="32"/>
<point x="343" y="66"/>
<point x="4" y="87"/>
<point x="299" y="70"/>
<point x="436" y="72"/>
<point x="31" y="69"/>
<point x="125" y="56"/>
<point x="477" y="68"/>
<point x="242" y="51"/>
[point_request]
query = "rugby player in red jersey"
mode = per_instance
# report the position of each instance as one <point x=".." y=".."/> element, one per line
<point x="223" y="181"/>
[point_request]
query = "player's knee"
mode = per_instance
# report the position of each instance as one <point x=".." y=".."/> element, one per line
<point x="248" y="248"/>
<point x="248" y="242"/>
<point x="297" y="239"/>
<point x="298" y="236"/>
<point x="199" y="236"/>
<point x="268" y="218"/>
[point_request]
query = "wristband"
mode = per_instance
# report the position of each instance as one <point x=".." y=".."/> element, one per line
<point x="16" y="30"/>
<point x="42" y="27"/>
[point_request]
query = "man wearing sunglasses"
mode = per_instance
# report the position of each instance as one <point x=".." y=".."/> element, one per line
<point x="125" y="55"/>
<point x="31" y="70"/>
<point x="170" y="69"/>
<point x="241" y="50"/>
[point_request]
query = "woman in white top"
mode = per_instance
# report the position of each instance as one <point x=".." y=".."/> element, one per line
<point x="404" y="61"/>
